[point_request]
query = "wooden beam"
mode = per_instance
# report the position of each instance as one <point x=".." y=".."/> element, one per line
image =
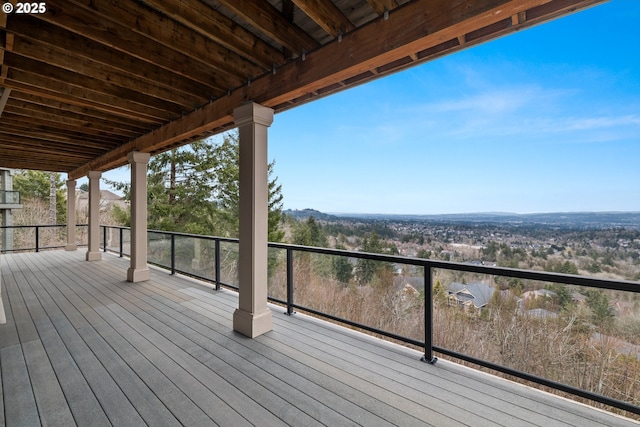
<point x="148" y="23"/>
<point x="14" y="158"/>
<point x="46" y="129"/>
<point x="78" y="120"/>
<point x="52" y="56"/>
<point x="326" y="15"/>
<point x="29" y="145"/>
<point x="82" y="47"/>
<point x="212" y="24"/>
<point x="4" y="97"/>
<point x="40" y="85"/>
<point x="112" y="120"/>
<point x="382" y="6"/>
<point x="93" y="26"/>
<point x="414" y="28"/>
<point x="270" y="21"/>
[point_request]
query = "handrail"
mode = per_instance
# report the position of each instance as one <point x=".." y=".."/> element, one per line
<point x="428" y="265"/>
<point x="37" y="229"/>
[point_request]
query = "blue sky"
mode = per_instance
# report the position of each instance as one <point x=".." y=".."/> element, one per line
<point x="543" y="120"/>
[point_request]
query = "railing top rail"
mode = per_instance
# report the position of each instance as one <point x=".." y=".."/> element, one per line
<point x="40" y="226"/>
<point x="569" y="279"/>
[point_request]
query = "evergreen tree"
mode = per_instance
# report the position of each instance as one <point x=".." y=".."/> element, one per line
<point x="342" y="268"/>
<point x="195" y="189"/>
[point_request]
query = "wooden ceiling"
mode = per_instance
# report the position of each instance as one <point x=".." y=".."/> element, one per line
<point x="88" y="81"/>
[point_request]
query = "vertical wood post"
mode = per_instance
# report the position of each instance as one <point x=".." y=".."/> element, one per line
<point x="253" y="317"/>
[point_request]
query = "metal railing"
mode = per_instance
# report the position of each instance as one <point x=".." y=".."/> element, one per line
<point x="26" y="238"/>
<point x="214" y="259"/>
<point x="166" y="249"/>
<point x="9" y="197"/>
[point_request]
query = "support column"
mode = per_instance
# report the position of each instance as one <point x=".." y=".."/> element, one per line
<point x="253" y="317"/>
<point x="71" y="216"/>
<point x="138" y="271"/>
<point x="3" y="318"/>
<point x="93" y="253"/>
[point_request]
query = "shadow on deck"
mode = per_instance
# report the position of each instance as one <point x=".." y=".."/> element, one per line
<point x="83" y="347"/>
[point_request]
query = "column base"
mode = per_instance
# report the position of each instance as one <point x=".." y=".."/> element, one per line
<point x="94" y="256"/>
<point x="71" y="247"/>
<point x="138" y="274"/>
<point x="252" y="324"/>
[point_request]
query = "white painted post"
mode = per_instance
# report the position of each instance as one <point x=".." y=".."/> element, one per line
<point x="138" y="271"/>
<point x="93" y="252"/>
<point x="253" y="317"/>
<point x="71" y="216"/>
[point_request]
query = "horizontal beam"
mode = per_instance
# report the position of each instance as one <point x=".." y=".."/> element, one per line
<point x="4" y="97"/>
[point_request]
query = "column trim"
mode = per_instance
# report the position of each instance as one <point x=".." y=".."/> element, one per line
<point x="138" y="270"/>
<point x="93" y="251"/>
<point x="71" y="216"/>
<point x="253" y="317"/>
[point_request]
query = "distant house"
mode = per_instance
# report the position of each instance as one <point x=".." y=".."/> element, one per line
<point x="107" y="199"/>
<point x="477" y="294"/>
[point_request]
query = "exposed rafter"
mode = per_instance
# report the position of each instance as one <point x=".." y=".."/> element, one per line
<point x="327" y="15"/>
<point x="86" y="82"/>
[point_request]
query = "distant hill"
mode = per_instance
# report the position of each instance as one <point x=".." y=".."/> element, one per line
<point x="306" y="213"/>
<point x="565" y="219"/>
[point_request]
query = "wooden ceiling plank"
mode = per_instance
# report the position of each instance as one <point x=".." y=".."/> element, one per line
<point x="414" y="27"/>
<point x="91" y="114"/>
<point x="146" y="102"/>
<point x="31" y="138"/>
<point x="55" y="89"/>
<point x="82" y="47"/>
<point x="61" y="59"/>
<point x="70" y="152"/>
<point x="61" y="143"/>
<point x="46" y="130"/>
<point x="28" y="109"/>
<point x="202" y="18"/>
<point x="260" y="14"/>
<point x="75" y="121"/>
<point x="326" y="15"/>
<point x="4" y="97"/>
<point x="68" y="122"/>
<point x="147" y="23"/>
<point x="382" y="6"/>
<point x="91" y="25"/>
<point x="18" y="160"/>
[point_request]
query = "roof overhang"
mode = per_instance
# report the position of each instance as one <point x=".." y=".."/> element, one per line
<point x="88" y="81"/>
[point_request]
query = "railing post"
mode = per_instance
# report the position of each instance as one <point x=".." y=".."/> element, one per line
<point x="104" y="237"/>
<point x="121" y="243"/>
<point x="217" y="261"/>
<point x="173" y="254"/>
<point x="428" y="316"/>
<point x="290" y="282"/>
<point x="37" y="239"/>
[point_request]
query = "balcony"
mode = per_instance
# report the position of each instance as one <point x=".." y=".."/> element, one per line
<point x="10" y="200"/>
<point x="81" y="342"/>
<point x="82" y="346"/>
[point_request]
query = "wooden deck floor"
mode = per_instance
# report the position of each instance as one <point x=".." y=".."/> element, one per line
<point x="83" y="347"/>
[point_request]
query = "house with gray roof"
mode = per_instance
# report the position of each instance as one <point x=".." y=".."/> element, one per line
<point x="476" y="294"/>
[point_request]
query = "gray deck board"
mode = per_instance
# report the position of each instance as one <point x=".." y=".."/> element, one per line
<point x="82" y="346"/>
